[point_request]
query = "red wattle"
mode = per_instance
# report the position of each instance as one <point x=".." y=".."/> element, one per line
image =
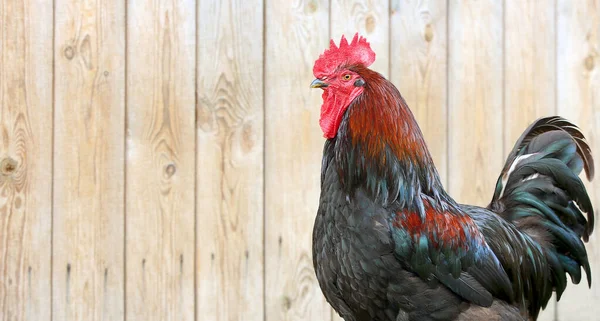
<point x="333" y="109"/>
<point x="328" y="116"/>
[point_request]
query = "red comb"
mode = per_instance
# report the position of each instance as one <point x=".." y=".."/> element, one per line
<point x="357" y="52"/>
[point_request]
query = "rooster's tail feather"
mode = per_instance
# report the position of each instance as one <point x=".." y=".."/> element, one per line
<point x="539" y="191"/>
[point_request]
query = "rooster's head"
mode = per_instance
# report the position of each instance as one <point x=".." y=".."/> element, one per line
<point x="337" y="74"/>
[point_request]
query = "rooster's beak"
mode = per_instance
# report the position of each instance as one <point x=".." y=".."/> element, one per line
<point x="318" y="83"/>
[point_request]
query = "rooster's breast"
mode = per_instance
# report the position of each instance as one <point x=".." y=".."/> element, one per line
<point x="357" y="267"/>
<point x="353" y="253"/>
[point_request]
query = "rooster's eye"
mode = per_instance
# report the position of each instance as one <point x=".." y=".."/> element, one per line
<point x="347" y="77"/>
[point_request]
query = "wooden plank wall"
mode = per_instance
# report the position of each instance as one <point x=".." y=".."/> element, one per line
<point x="292" y="139"/>
<point x="230" y="177"/>
<point x="26" y="159"/>
<point x="160" y="160"/>
<point x="89" y="118"/>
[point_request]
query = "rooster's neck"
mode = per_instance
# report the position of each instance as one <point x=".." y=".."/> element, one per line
<point x="380" y="148"/>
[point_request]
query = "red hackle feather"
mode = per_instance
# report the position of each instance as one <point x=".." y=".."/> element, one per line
<point x="358" y="52"/>
<point x="382" y="120"/>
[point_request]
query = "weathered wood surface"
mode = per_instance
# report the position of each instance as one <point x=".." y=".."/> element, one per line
<point x="578" y="99"/>
<point x="475" y="154"/>
<point x="160" y="160"/>
<point x="160" y="157"/>
<point x="230" y="150"/>
<point x="89" y="174"/>
<point x="295" y="36"/>
<point x="529" y="66"/>
<point x="371" y="19"/>
<point x="25" y="159"/>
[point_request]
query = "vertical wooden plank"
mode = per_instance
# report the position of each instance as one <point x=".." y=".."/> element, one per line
<point x="371" y="20"/>
<point x="474" y="99"/>
<point x="529" y="74"/>
<point x="25" y="159"/>
<point x="160" y="160"/>
<point x="230" y="161"/>
<point x="419" y="69"/>
<point x="89" y="174"/>
<point x="530" y="71"/>
<point x="578" y="99"/>
<point x="296" y="33"/>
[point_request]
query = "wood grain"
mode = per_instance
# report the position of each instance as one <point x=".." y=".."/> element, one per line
<point x="295" y="36"/>
<point x="419" y="68"/>
<point x="160" y="160"/>
<point x="578" y="98"/>
<point x="150" y="226"/>
<point x="530" y="75"/>
<point x="25" y="159"/>
<point x="474" y="99"/>
<point x="230" y="255"/>
<point x="530" y="68"/>
<point x="89" y="175"/>
<point x="371" y="19"/>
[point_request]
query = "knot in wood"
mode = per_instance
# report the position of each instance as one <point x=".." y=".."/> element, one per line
<point x="8" y="166"/>
<point x="589" y="62"/>
<point x="311" y="7"/>
<point x="170" y="170"/>
<point x="370" y="24"/>
<point x="287" y="303"/>
<point x="428" y="32"/>
<point x="69" y="52"/>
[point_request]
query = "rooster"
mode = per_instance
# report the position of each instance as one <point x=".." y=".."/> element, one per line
<point x="390" y="244"/>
